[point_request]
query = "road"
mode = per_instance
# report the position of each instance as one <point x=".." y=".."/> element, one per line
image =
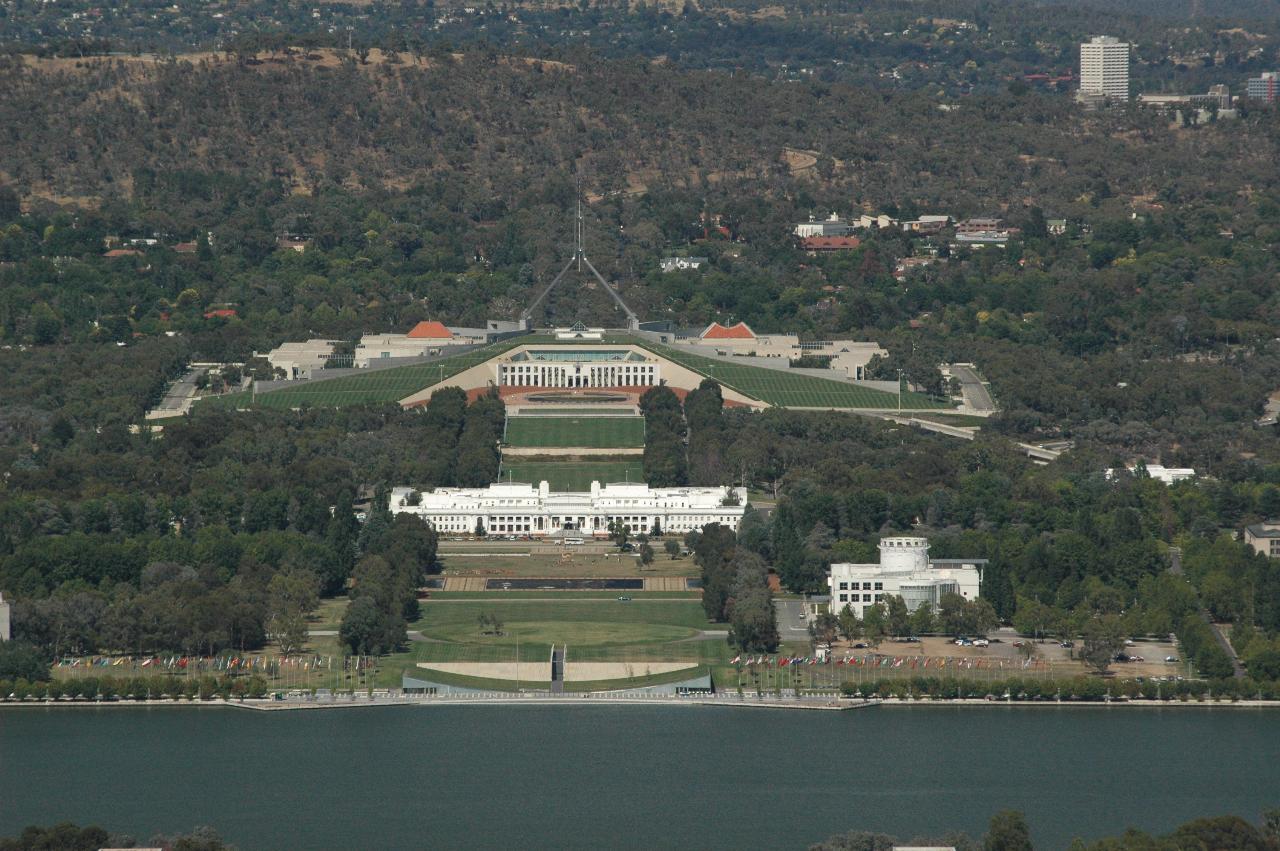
<point x="791" y="626"/>
<point x="180" y="395"/>
<point x="976" y="396"/>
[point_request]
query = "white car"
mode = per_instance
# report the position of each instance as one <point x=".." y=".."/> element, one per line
<point x="981" y="642"/>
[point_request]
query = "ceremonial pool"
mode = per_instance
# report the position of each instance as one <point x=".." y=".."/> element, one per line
<point x="629" y="777"/>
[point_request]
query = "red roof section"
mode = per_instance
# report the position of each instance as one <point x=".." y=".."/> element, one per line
<point x="716" y="331"/>
<point x="830" y="243"/>
<point x="431" y="330"/>
<point x="222" y="312"/>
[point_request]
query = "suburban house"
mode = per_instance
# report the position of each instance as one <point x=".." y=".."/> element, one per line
<point x="927" y="224"/>
<point x="1264" y="538"/>
<point x="680" y="264"/>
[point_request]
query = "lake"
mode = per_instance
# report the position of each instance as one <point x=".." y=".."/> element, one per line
<point x="626" y="776"/>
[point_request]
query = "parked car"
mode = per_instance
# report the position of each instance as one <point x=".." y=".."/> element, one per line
<point x="1171" y="659"/>
<point x="624" y="599"/>
<point x="981" y="642"/>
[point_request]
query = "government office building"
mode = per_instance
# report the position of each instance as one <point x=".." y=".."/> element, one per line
<point x="515" y="508"/>
<point x="1104" y="67"/>
<point x="906" y="570"/>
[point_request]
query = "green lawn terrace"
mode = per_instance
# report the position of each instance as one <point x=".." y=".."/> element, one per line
<point x="795" y="390"/>
<point x="572" y="476"/>
<point x="567" y="432"/>
<point x="771" y="386"/>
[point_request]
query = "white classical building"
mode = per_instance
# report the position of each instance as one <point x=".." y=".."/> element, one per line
<point x="515" y="508"/>
<point x="564" y="366"/>
<point x="905" y="569"/>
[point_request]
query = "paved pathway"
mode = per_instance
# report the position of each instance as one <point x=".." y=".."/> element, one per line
<point x="976" y="396"/>
<point x="791" y="627"/>
<point x="1237" y="670"/>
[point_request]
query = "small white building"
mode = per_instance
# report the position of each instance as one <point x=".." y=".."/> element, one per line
<point x="425" y="338"/>
<point x="832" y="226"/>
<point x="850" y="357"/>
<point x="515" y="508"/>
<point x="300" y="360"/>
<point x="905" y="569"/>
<point x="878" y="221"/>
<point x="680" y="264"/>
<point x="1168" y="475"/>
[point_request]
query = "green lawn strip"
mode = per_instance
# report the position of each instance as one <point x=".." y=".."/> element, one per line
<point x="793" y="390"/>
<point x="593" y="432"/>
<point x="636" y="682"/>
<point x="572" y="475"/>
<point x="516" y="595"/>
<point x="378" y="385"/>
<point x="482" y="683"/>
<point x="569" y="412"/>
<point x="961" y="420"/>
<point x="460" y="621"/>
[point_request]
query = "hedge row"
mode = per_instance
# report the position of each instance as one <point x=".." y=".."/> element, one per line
<point x="1079" y="689"/>
<point x="1200" y="646"/>
<point x="135" y="688"/>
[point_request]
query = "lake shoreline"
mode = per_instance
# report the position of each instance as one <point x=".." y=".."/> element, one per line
<point x="267" y="705"/>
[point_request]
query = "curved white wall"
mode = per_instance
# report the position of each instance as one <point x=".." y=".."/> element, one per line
<point x="905" y="554"/>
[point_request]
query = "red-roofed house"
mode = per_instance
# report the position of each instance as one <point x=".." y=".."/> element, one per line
<point x="123" y="252"/>
<point x="426" y="338"/>
<point x="846" y="356"/>
<point x="716" y="331"/>
<point x="221" y="313"/>
<point x="429" y="330"/>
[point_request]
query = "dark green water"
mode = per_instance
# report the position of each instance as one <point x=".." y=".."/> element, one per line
<point x="631" y="777"/>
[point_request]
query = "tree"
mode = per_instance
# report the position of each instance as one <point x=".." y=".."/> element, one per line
<point x="646" y="555"/>
<point x="953" y="614"/>
<point x="1008" y="832"/>
<point x="752" y="619"/>
<point x="850" y="626"/>
<point x="618" y="533"/>
<point x="672" y="546"/>
<point x="922" y="620"/>
<point x="897" y="620"/>
<point x="362" y="627"/>
<point x="824" y="628"/>
<point x="713" y="551"/>
<point x="21" y="660"/>
<point x="291" y="595"/>
<point x="1103" y="638"/>
<point x="875" y="623"/>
